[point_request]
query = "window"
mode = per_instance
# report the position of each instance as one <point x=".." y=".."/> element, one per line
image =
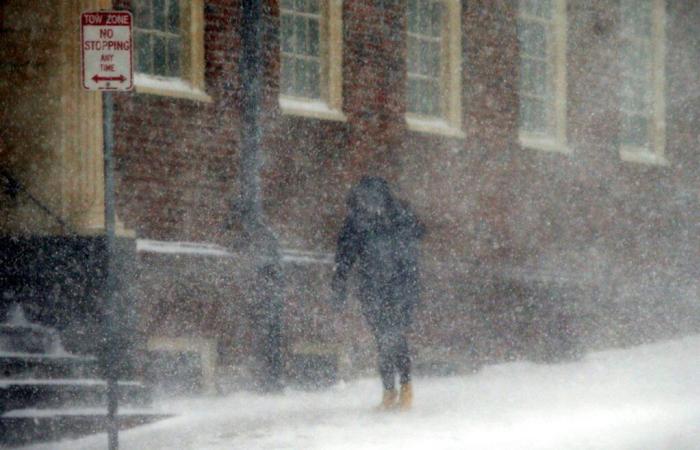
<point x="311" y="58"/>
<point x="642" y="136"/>
<point x="169" y="53"/>
<point x="542" y="39"/>
<point x="434" y="77"/>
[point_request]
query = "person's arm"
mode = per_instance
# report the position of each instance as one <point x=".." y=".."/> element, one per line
<point x="410" y="223"/>
<point x="347" y="248"/>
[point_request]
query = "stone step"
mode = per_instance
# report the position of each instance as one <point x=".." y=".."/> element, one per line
<point x="36" y="365"/>
<point x="57" y="393"/>
<point x="26" y="426"/>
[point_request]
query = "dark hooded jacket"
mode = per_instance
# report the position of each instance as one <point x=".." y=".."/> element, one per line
<point x="385" y="252"/>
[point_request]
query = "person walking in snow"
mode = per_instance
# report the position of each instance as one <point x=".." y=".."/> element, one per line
<point x="380" y="237"/>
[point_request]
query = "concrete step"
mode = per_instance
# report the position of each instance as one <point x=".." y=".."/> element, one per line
<point x="25" y="426"/>
<point x="56" y="393"/>
<point x="36" y="365"/>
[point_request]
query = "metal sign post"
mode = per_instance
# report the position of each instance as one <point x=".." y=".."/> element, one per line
<point x="106" y="65"/>
<point x="263" y="242"/>
<point x="110" y="284"/>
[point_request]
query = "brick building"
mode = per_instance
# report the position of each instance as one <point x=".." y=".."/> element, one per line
<point x="550" y="147"/>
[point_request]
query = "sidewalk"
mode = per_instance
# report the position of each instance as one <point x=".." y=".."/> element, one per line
<point x="641" y="398"/>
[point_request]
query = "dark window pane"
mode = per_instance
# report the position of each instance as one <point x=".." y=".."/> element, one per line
<point x="538" y="8"/>
<point x="640" y="18"/>
<point x="635" y="131"/>
<point x="533" y="114"/>
<point x="313" y="37"/>
<point x="433" y="59"/>
<point x="436" y="11"/>
<point x="159" y="14"/>
<point x="300" y="5"/>
<point x="417" y="96"/>
<point x="301" y="78"/>
<point x="288" y="4"/>
<point x="418" y="93"/>
<point x="527" y="79"/>
<point x="313" y="6"/>
<point x="435" y="98"/>
<point x="142" y="13"/>
<point x="159" y="66"/>
<point x="300" y="34"/>
<point x="287" y="81"/>
<point x="635" y="95"/>
<point x="427" y="98"/>
<point x="423" y="25"/>
<point x="543" y="8"/>
<point x="533" y="77"/>
<point x="313" y="79"/>
<point x="424" y="57"/>
<point x="533" y="39"/>
<point x="412" y="12"/>
<point x="298" y="86"/>
<point x="174" y="51"/>
<point x="287" y="34"/>
<point x="412" y="93"/>
<point x="143" y="53"/>
<point x="413" y="55"/>
<point x="524" y="113"/>
<point x="174" y="16"/>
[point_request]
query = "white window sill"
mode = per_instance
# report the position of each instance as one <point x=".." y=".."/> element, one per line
<point x="543" y="143"/>
<point x="168" y="87"/>
<point x="642" y="156"/>
<point x="314" y="109"/>
<point x="433" y="126"/>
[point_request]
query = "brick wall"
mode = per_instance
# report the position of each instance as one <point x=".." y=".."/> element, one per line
<point x="496" y="213"/>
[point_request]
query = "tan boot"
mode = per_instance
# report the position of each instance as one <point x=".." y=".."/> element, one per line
<point x="388" y="400"/>
<point x="406" y="397"/>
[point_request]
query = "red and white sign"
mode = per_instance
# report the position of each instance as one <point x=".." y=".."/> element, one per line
<point x="106" y="50"/>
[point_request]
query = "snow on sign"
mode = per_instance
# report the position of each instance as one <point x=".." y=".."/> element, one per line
<point x="106" y="50"/>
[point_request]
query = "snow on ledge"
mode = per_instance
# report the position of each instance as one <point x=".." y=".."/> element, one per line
<point x="22" y="355"/>
<point x="181" y="248"/>
<point x="208" y="249"/>
<point x="7" y="382"/>
<point x="52" y="412"/>
<point x="543" y="143"/>
<point x="306" y="257"/>
<point x="642" y="155"/>
<point x="433" y="125"/>
<point x="167" y="86"/>
<point x="310" y="108"/>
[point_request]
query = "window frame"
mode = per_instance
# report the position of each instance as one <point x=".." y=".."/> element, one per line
<point x="450" y="122"/>
<point x="330" y="104"/>
<point x="556" y="139"/>
<point x="654" y="154"/>
<point x="191" y="83"/>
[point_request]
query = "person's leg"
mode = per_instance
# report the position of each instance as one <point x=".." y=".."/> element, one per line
<point x="376" y="321"/>
<point x="386" y="360"/>
<point x="387" y="369"/>
<point x="402" y="359"/>
<point x="403" y="365"/>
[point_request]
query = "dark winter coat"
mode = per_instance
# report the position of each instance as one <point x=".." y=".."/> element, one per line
<point x="385" y="252"/>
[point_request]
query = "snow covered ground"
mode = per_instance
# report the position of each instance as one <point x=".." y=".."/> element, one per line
<point x="641" y="398"/>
